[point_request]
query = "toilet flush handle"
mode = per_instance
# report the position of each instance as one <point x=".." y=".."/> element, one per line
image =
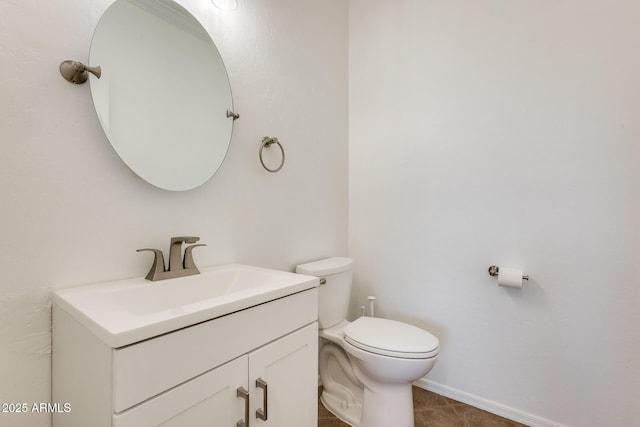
<point x="323" y="281"/>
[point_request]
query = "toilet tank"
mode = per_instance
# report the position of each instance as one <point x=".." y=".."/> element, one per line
<point x="334" y="294"/>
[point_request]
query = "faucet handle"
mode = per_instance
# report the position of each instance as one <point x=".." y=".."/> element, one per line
<point x="188" y="256"/>
<point x="158" y="263"/>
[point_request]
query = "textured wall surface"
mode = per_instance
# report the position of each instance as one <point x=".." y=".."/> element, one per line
<point x="501" y="132"/>
<point x="73" y="213"/>
<point x="480" y="132"/>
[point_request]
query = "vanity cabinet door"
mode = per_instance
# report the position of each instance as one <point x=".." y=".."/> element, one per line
<point x="283" y="381"/>
<point x="208" y="400"/>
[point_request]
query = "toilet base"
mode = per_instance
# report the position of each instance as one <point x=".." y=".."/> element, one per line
<point x="346" y="391"/>
<point x="348" y="414"/>
<point x="379" y="402"/>
<point x="342" y="392"/>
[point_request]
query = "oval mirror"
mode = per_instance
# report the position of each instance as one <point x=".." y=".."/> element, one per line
<point x="164" y="92"/>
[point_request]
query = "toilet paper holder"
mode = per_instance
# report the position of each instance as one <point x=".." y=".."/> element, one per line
<point x="494" y="270"/>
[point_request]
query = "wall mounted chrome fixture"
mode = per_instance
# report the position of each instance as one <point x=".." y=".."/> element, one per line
<point x="494" y="271"/>
<point x="225" y="4"/>
<point x="235" y="116"/>
<point x="76" y="72"/>
<point x="267" y="141"/>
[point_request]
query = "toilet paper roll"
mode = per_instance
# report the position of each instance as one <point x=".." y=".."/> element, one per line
<point x="510" y="277"/>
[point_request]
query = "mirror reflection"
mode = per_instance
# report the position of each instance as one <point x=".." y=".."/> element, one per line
<point x="164" y="92"/>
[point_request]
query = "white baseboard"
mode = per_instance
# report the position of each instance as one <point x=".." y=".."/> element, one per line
<point x="487" y="405"/>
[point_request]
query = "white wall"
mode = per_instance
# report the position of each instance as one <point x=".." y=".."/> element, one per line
<point x="504" y="132"/>
<point x="72" y="213"/>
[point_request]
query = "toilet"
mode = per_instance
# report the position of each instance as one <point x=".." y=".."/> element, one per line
<point x="367" y="366"/>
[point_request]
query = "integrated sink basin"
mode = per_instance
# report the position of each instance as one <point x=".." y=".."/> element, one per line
<point x="127" y="311"/>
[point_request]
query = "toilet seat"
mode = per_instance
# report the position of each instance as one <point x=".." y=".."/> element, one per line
<point x="391" y="338"/>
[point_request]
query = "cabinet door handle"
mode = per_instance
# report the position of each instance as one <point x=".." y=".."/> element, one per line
<point x="243" y="393"/>
<point x="262" y="413"/>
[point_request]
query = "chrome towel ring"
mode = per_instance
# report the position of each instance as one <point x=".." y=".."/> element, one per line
<point x="267" y="141"/>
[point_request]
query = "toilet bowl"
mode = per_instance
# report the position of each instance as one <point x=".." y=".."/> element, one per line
<point x="367" y="366"/>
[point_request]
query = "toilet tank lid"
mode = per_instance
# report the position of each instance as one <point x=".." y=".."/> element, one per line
<point x="325" y="267"/>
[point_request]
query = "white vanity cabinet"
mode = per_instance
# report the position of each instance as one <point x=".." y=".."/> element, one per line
<point x="191" y="377"/>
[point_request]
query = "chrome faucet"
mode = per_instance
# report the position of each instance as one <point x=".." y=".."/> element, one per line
<point x="178" y="266"/>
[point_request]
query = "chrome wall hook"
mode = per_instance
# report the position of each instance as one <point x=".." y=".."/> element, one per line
<point x="77" y="73"/>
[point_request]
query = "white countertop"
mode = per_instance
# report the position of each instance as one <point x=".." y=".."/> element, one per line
<point x="127" y="311"/>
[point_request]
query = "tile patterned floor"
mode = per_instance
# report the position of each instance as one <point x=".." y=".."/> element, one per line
<point x="433" y="410"/>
